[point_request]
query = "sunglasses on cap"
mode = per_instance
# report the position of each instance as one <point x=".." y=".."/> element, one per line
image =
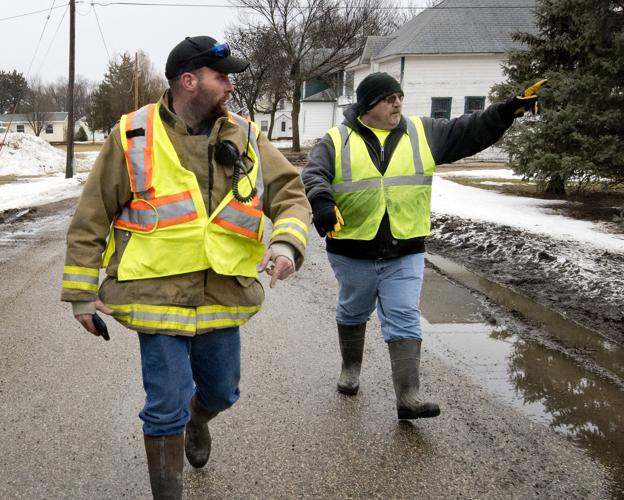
<point x="393" y="97"/>
<point x="218" y="50"/>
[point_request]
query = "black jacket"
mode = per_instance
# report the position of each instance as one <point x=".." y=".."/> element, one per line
<point x="449" y="140"/>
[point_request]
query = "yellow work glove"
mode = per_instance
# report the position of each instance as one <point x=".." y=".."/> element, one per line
<point x="527" y="101"/>
<point x="338" y="225"/>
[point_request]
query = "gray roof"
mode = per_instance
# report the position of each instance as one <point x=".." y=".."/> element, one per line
<point x="327" y="95"/>
<point x="373" y="46"/>
<point x="463" y="26"/>
<point x="52" y="116"/>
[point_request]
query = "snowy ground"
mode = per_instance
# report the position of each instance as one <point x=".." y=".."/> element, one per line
<point x="574" y="266"/>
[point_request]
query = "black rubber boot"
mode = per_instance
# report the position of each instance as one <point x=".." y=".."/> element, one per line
<point x="351" y="339"/>
<point x="165" y="463"/>
<point x="405" y="359"/>
<point x="197" y="440"/>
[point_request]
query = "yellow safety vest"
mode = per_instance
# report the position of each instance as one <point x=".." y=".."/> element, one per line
<point x="171" y="231"/>
<point x="363" y="194"/>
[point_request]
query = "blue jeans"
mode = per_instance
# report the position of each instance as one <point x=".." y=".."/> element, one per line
<point x="171" y="364"/>
<point x="393" y="285"/>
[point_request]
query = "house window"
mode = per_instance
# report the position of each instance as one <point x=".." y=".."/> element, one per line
<point x="474" y="103"/>
<point x="281" y="104"/>
<point x="49" y="129"/>
<point x="441" y="107"/>
<point x="348" y="83"/>
<point x="283" y="126"/>
<point x="19" y="128"/>
<point x="264" y="125"/>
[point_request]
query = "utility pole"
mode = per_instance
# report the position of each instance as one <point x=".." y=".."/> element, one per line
<point x="69" y="166"/>
<point x="136" y="81"/>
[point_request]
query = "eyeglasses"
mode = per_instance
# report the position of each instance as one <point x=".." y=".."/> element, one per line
<point x="393" y="97"/>
<point x="218" y="50"/>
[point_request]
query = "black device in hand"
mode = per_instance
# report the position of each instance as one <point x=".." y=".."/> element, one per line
<point x="100" y="326"/>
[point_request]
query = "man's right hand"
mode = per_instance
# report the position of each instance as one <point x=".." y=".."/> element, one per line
<point x="326" y="220"/>
<point x="86" y="320"/>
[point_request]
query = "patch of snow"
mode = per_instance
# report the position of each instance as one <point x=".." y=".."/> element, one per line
<point x="282" y="144"/>
<point x="527" y="214"/>
<point x="25" y="155"/>
<point x="39" y="191"/>
<point x="492" y="183"/>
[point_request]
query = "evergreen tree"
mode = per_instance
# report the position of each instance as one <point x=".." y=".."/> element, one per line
<point x="579" y="48"/>
<point x="13" y="87"/>
<point x="114" y="96"/>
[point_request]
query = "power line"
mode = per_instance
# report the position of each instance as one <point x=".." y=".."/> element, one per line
<point x="40" y="38"/>
<point x="33" y="12"/>
<point x="45" y="57"/>
<point x="100" y="28"/>
<point x="240" y="6"/>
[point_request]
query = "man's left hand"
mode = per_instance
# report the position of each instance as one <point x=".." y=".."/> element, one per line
<point x="280" y="270"/>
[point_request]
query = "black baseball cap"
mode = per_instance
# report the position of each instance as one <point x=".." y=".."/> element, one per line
<point x="198" y="51"/>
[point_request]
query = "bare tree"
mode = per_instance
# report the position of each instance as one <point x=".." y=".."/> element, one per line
<point x="259" y="46"/>
<point x="37" y="105"/>
<point x="263" y="85"/>
<point x="152" y="83"/>
<point x="319" y="37"/>
<point x="83" y="88"/>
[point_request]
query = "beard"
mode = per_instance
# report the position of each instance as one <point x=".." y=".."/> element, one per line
<point x="205" y="108"/>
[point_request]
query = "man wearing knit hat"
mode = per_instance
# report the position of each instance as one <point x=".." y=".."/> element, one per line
<point x="369" y="183"/>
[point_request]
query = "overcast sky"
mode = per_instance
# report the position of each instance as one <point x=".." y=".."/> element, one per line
<point x="154" y="29"/>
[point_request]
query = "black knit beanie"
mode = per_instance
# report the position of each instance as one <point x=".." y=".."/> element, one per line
<point x="373" y="89"/>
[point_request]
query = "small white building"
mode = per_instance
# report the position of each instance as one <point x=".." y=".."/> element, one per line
<point x="282" y="125"/>
<point x="446" y="58"/>
<point x="54" y="125"/>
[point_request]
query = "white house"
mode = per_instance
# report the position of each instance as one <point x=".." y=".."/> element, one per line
<point x="54" y="126"/>
<point x="282" y="126"/>
<point x="447" y="58"/>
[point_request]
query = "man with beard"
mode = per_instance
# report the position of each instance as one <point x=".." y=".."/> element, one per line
<point x="174" y="210"/>
<point x="369" y="182"/>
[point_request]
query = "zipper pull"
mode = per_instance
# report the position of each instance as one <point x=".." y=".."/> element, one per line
<point x="382" y="154"/>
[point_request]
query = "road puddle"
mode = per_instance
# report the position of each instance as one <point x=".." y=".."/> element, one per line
<point x="549" y="383"/>
<point x="587" y="343"/>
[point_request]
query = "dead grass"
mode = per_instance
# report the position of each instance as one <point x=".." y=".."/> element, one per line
<point x="82" y="147"/>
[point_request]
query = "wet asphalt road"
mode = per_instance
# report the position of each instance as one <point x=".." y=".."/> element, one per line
<point x="69" y="403"/>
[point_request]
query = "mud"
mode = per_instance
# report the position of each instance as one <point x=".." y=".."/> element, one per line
<point x="582" y="283"/>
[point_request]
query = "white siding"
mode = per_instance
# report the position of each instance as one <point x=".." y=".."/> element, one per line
<point x="57" y="135"/>
<point x="455" y="76"/>
<point x="315" y="118"/>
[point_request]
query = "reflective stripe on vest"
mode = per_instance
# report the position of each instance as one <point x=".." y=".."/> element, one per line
<point x="140" y="214"/>
<point x="80" y="278"/>
<point x="348" y="185"/>
<point x="181" y="319"/>
<point x="139" y="152"/>
<point x="240" y="218"/>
